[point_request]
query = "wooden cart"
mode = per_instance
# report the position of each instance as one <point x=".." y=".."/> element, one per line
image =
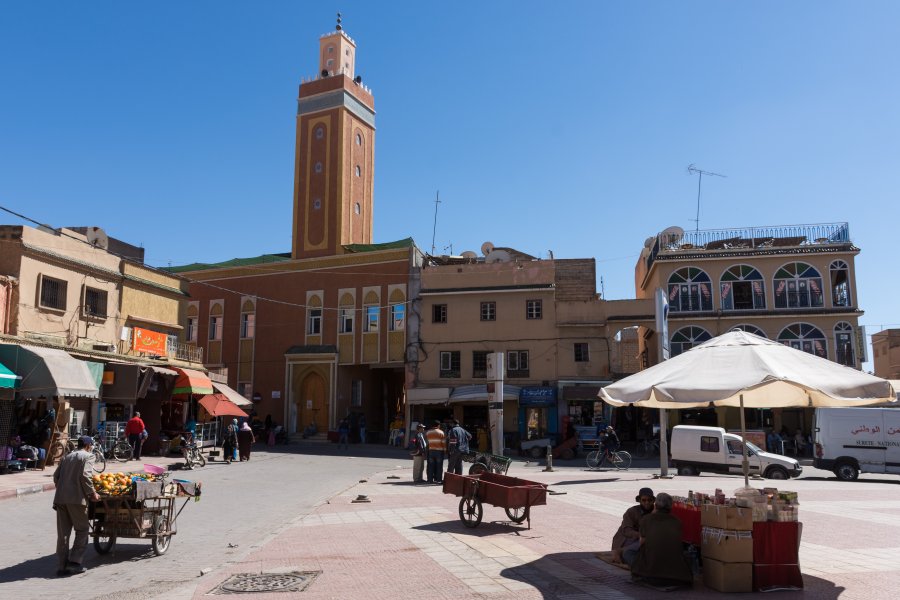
<point x="485" y="461"/>
<point x="148" y="512"/>
<point x="514" y="495"/>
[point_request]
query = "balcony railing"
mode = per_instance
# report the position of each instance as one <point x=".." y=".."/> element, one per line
<point x="186" y="352"/>
<point x="748" y="238"/>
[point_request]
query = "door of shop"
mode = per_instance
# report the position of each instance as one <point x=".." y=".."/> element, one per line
<point x="312" y="404"/>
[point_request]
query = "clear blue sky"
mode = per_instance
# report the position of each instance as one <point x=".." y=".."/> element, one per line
<point x="563" y="127"/>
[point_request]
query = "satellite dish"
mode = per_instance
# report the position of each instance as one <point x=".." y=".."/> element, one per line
<point x="649" y="241"/>
<point x="469" y="254"/>
<point x="487" y="248"/>
<point x="671" y="235"/>
<point x="497" y="256"/>
<point x="97" y="237"/>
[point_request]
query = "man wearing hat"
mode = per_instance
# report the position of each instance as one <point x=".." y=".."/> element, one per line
<point x="74" y="489"/>
<point x="628" y="537"/>
<point x="419" y="451"/>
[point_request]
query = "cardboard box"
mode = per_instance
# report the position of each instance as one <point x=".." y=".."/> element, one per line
<point x="727" y="577"/>
<point x="726" y="545"/>
<point x="736" y="518"/>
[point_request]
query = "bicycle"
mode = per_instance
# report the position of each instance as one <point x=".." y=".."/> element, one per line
<point x="192" y="455"/>
<point x="62" y="448"/>
<point x="122" y="450"/>
<point x="647" y="447"/>
<point x="620" y="459"/>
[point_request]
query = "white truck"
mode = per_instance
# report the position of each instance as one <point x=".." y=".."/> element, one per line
<point x="696" y="449"/>
<point x="850" y="441"/>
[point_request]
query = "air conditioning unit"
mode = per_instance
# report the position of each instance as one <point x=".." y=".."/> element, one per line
<point x="105" y="347"/>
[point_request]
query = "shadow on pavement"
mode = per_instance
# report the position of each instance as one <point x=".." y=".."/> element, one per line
<point x="580" y="574"/>
<point x="486" y="528"/>
<point x="885" y="481"/>
<point x="36" y="568"/>
<point x="608" y="480"/>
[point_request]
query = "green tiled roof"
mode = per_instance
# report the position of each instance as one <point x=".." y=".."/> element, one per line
<point x="284" y="256"/>
<point x="404" y="243"/>
<point x="234" y="262"/>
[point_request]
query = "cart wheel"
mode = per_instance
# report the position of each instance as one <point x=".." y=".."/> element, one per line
<point x="568" y="454"/>
<point x="478" y="469"/>
<point x="517" y="515"/>
<point x="536" y="452"/>
<point x="470" y="511"/>
<point x="161" y="541"/>
<point x="104" y="543"/>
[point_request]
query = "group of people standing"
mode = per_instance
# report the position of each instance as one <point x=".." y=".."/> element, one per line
<point x="431" y="446"/>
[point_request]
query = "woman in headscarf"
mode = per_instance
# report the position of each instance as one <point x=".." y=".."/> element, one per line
<point x="230" y="443"/>
<point x="245" y="440"/>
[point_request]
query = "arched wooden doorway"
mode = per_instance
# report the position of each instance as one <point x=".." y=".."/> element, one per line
<point x="312" y="404"/>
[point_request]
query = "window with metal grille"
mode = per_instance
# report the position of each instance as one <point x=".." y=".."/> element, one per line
<point x="517" y="363"/>
<point x="488" y="311"/>
<point x="94" y="302"/>
<point x="53" y="293"/>
<point x="314" y="321"/>
<point x="439" y="313"/>
<point x="479" y="363"/>
<point x="450" y="364"/>
<point x="582" y="352"/>
<point x="533" y="309"/>
<point x="248" y="325"/>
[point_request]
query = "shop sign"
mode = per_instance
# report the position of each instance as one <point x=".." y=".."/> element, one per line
<point x="152" y="342"/>
<point x="537" y="396"/>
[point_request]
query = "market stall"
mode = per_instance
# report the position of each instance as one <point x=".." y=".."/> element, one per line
<point x="749" y="542"/>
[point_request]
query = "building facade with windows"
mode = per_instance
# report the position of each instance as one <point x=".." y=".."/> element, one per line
<point x="320" y="332"/>
<point x="561" y="342"/>
<point x="792" y="284"/>
<point x="886" y="353"/>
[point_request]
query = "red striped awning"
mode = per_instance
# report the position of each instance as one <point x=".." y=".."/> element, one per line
<point x="191" y="382"/>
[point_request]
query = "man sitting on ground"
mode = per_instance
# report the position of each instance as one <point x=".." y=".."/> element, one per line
<point x="660" y="560"/>
<point x="627" y="538"/>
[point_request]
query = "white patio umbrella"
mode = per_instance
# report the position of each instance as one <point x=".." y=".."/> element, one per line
<point x="744" y="370"/>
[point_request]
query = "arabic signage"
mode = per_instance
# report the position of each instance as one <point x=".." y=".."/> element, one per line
<point x="152" y="342"/>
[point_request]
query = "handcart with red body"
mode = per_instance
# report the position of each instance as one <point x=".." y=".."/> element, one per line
<point x="515" y="495"/>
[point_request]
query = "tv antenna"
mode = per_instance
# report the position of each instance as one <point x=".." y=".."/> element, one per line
<point x="437" y="200"/>
<point x="691" y="170"/>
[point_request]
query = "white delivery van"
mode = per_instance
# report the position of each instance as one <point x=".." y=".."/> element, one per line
<point x="850" y="441"/>
<point x="696" y="449"/>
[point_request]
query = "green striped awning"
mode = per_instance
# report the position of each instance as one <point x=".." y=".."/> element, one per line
<point x="8" y="379"/>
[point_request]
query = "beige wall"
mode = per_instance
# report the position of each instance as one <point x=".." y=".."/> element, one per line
<point x="886" y="353"/>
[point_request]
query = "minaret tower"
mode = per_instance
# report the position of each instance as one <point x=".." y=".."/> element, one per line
<point x="334" y="160"/>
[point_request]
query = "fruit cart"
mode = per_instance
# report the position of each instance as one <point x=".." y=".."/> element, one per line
<point x="515" y="495"/>
<point x="144" y="508"/>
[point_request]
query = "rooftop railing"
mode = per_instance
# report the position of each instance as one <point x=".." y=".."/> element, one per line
<point x="748" y="238"/>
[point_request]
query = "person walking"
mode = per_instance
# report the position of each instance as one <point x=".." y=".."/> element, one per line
<point x="245" y="441"/>
<point x="230" y="443"/>
<point x="362" y="429"/>
<point x="74" y="489"/>
<point x="435" y="439"/>
<point x="419" y="453"/>
<point x="343" y="433"/>
<point x="457" y="445"/>
<point x="133" y="429"/>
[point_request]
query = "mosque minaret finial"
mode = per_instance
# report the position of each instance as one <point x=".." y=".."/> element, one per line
<point x="338" y="28"/>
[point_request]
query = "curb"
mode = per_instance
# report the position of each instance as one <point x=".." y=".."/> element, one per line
<point x="24" y="491"/>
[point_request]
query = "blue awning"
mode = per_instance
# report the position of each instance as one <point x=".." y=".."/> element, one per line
<point x="8" y="379"/>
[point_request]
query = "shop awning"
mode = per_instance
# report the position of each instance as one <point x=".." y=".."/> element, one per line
<point x="231" y="394"/>
<point x="465" y="393"/>
<point x="191" y="382"/>
<point x="49" y="372"/>
<point x="8" y="379"/>
<point x="218" y="405"/>
<point x="420" y="396"/>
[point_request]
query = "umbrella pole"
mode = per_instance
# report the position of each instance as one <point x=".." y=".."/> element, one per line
<point x="663" y="445"/>
<point x="745" y="464"/>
